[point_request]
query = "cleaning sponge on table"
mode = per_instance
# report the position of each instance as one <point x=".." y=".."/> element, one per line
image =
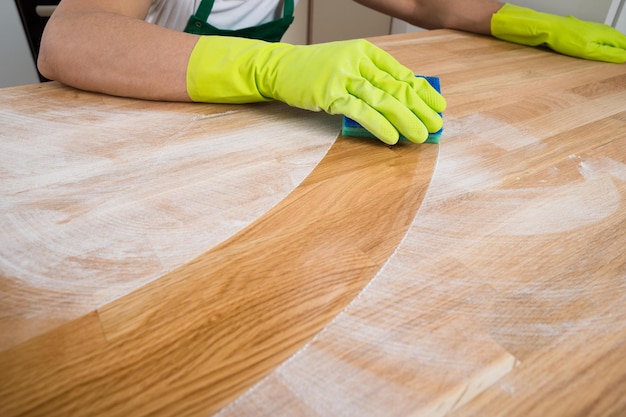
<point x="353" y="128"/>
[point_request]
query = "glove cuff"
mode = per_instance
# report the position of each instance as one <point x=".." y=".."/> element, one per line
<point x="521" y="25"/>
<point x="223" y="70"/>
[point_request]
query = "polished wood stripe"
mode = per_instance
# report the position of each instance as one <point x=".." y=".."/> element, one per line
<point x="239" y="310"/>
<point x="482" y="276"/>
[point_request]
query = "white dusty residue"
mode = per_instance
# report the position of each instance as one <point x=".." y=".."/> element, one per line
<point x="534" y="211"/>
<point x="593" y="167"/>
<point x="469" y="177"/>
<point x="490" y="130"/>
<point x="441" y="315"/>
<point x="465" y="165"/>
<point x="96" y="206"/>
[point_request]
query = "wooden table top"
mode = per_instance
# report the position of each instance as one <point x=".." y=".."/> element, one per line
<point x="172" y="259"/>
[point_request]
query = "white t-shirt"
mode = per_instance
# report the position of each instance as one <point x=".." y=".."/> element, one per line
<point x="226" y="14"/>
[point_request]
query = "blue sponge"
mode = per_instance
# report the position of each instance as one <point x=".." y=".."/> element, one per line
<point x="352" y="128"/>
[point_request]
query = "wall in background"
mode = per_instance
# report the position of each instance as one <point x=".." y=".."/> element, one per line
<point x="298" y="32"/>
<point x="617" y="15"/>
<point x="323" y="21"/>
<point x="345" y="19"/>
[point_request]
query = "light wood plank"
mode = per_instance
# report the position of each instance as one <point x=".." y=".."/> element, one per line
<point x="518" y="246"/>
<point x="108" y="194"/>
<point x="238" y="311"/>
<point x="483" y="276"/>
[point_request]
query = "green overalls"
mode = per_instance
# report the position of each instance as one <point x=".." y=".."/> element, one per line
<point x="271" y="31"/>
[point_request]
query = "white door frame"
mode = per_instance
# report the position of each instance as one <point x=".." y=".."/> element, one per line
<point x="617" y="15"/>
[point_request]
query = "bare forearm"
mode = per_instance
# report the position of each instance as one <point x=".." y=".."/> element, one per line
<point x="468" y="15"/>
<point x="116" y="55"/>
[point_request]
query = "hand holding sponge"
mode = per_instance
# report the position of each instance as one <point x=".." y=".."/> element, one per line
<point x="350" y="127"/>
<point x="354" y="78"/>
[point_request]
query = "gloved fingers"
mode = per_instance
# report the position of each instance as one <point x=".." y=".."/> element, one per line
<point x="612" y="46"/>
<point x="617" y="39"/>
<point x="423" y="101"/>
<point x="408" y="123"/>
<point x="368" y="117"/>
<point x="386" y="63"/>
<point x="607" y="53"/>
<point x="428" y="94"/>
<point x="385" y="68"/>
<point x="401" y="102"/>
<point x="598" y="32"/>
<point x="413" y="91"/>
<point x="592" y="40"/>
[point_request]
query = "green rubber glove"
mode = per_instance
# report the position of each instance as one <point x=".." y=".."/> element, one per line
<point x="566" y="35"/>
<point x="353" y="78"/>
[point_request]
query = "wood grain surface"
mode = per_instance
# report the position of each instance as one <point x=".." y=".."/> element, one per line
<point x="193" y="260"/>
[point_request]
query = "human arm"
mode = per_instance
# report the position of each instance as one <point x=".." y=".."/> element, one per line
<point x="106" y="46"/>
<point x="466" y="15"/>
<point x="566" y="35"/>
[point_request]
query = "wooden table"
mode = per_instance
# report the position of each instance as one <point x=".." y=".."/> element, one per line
<point x="191" y="259"/>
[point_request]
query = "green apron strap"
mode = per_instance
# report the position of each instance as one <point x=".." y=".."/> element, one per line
<point x="271" y="31"/>
<point x="204" y="10"/>
<point x="288" y="11"/>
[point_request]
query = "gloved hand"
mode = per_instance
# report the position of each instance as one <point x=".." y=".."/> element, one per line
<point x="353" y="78"/>
<point x="566" y="35"/>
